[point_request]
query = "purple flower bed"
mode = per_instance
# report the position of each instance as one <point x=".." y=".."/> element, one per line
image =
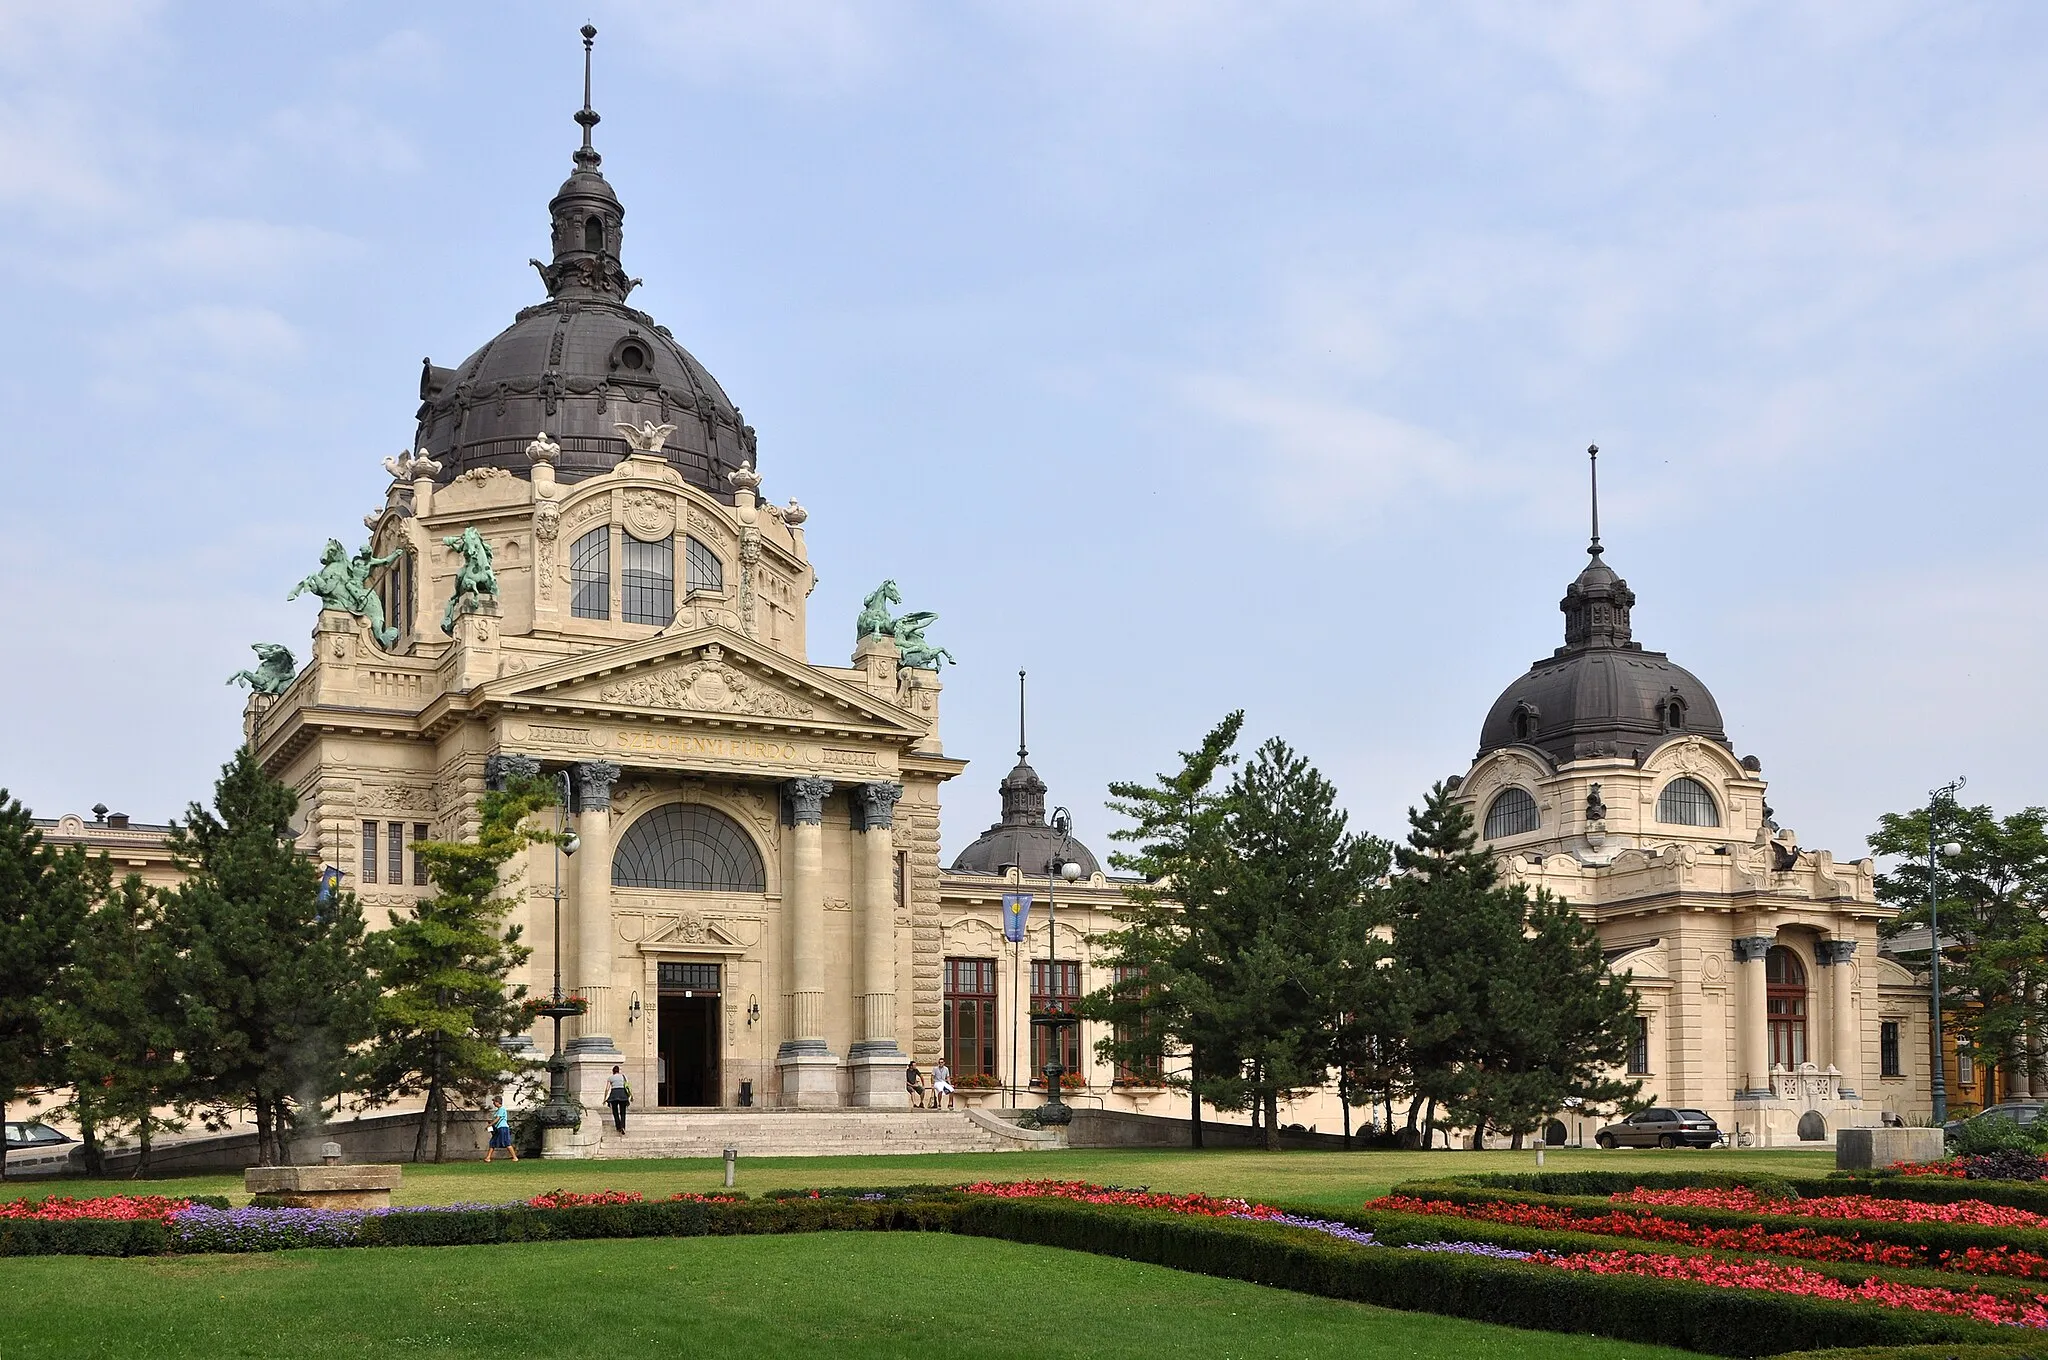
<point x="1344" y="1232"/>
<point x="199" y="1228"/>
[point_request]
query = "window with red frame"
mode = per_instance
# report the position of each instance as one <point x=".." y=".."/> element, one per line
<point x="1785" y="995"/>
<point x="969" y="1008"/>
<point x="1147" y="1069"/>
<point x="1055" y="986"/>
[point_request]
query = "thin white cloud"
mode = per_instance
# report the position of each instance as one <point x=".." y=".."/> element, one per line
<point x="804" y="48"/>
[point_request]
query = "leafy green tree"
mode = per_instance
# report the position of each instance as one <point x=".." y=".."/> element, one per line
<point x="1163" y="1002"/>
<point x="1994" y="914"/>
<point x="446" y="1004"/>
<point x="271" y="966"/>
<point x="120" y="1013"/>
<point x="43" y="894"/>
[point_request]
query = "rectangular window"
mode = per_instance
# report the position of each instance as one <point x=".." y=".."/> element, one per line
<point x="419" y="866"/>
<point x="1888" y="1050"/>
<point x="969" y="1010"/>
<point x="369" y="852"/>
<point x="1966" y="1064"/>
<point x="647" y="580"/>
<point x="1147" y="1069"/>
<point x="1055" y="987"/>
<point x="686" y="977"/>
<point x="1639" y="1047"/>
<point x="394" y="861"/>
<point x="590" y="574"/>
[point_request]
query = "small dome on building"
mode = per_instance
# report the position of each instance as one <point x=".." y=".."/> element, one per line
<point x="1600" y="694"/>
<point x="581" y="363"/>
<point x="1023" y="837"/>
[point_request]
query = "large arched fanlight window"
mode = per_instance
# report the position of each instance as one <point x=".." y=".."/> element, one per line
<point x="1686" y="802"/>
<point x="688" y="846"/>
<point x="1512" y="812"/>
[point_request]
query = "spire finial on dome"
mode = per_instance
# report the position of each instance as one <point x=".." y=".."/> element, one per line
<point x="1022" y="752"/>
<point x="586" y="155"/>
<point x="1593" y="461"/>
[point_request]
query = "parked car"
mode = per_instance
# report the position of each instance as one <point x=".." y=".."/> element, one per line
<point x="2020" y="1112"/>
<point x="1662" y="1126"/>
<point x="23" y="1134"/>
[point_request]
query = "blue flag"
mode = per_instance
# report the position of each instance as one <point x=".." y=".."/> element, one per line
<point x="1016" y="912"/>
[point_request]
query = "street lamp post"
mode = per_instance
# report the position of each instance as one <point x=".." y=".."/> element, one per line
<point x="1055" y="1111"/>
<point x="1945" y="794"/>
<point x="560" y="1112"/>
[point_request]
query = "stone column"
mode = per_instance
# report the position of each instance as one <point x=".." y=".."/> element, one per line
<point x="1843" y="1050"/>
<point x="810" y="1073"/>
<point x="876" y="1062"/>
<point x="1751" y="1026"/>
<point x="593" y="780"/>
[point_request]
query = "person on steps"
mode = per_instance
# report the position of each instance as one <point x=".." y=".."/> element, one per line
<point x="618" y="1095"/>
<point x="942" y="1085"/>
<point x="913" y="1082"/>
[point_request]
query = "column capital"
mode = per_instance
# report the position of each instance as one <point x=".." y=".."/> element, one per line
<point x="875" y="805"/>
<point x="1750" y="948"/>
<point x="594" y="780"/>
<point x="807" y="799"/>
<point x="503" y="767"/>
<point x="1829" y="952"/>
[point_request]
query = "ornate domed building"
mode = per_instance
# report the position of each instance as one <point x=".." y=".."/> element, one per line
<point x="1604" y="774"/>
<point x="576" y="574"/>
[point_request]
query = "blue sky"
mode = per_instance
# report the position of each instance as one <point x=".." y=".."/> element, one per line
<point x="1193" y="355"/>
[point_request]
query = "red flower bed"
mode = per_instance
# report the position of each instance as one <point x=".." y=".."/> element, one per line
<point x="126" y="1207"/>
<point x="1784" y="1279"/>
<point x="566" y="1199"/>
<point x="1870" y="1208"/>
<point x="1207" y="1206"/>
<point x="1950" y="1166"/>
<point x="1801" y="1242"/>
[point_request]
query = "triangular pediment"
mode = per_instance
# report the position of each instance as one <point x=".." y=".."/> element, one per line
<point x="713" y="674"/>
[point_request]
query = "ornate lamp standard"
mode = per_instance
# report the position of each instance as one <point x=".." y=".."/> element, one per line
<point x="1946" y="794"/>
<point x="1055" y="1111"/>
<point x="560" y="1112"/>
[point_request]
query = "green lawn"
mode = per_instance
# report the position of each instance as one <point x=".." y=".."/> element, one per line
<point x="1332" y="1180"/>
<point x="825" y="1294"/>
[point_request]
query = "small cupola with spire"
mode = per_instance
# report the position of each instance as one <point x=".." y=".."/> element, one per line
<point x="1023" y="839"/>
<point x="589" y="221"/>
<point x="1596" y="604"/>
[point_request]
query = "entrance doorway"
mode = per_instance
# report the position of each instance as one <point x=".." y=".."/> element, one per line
<point x="686" y="1035"/>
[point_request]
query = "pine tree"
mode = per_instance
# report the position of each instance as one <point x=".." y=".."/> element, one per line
<point x="1508" y="1006"/>
<point x="43" y="895"/>
<point x="272" y="971"/>
<point x="120" y="1013"/>
<point x="1162" y="1001"/>
<point x="445" y="1005"/>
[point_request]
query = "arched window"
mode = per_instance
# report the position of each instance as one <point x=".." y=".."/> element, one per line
<point x="590" y="574"/>
<point x="647" y="581"/>
<point x="1513" y="812"/>
<point x="1673" y="713"/>
<point x="1686" y="802"/>
<point x="1525" y="722"/>
<point x="689" y="846"/>
<point x="1785" y="996"/>
<point x="701" y="568"/>
<point x="593" y="235"/>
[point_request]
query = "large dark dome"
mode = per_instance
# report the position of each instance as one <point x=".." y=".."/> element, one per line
<point x="1600" y="694"/>
<point x="580" y="364"/>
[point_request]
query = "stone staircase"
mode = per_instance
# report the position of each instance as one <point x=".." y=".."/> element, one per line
<point x="810" y="1133"/>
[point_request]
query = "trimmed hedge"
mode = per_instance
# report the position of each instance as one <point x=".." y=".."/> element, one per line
<point x="1887" y="1185"/>
<point x="2031" y="1195"/>
<point x="83" y="1237"/>
<point x="1921" y="1353"/>
<point x="1930" y="1239"/>
<point x="1627" y="1307"/>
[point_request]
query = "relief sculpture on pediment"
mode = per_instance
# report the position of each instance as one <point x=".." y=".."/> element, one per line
<point x="708" y="686"/>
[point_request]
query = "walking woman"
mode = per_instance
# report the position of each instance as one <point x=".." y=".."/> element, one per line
<point x="501" y="1133"/>
<point x="618" y="1095"/>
